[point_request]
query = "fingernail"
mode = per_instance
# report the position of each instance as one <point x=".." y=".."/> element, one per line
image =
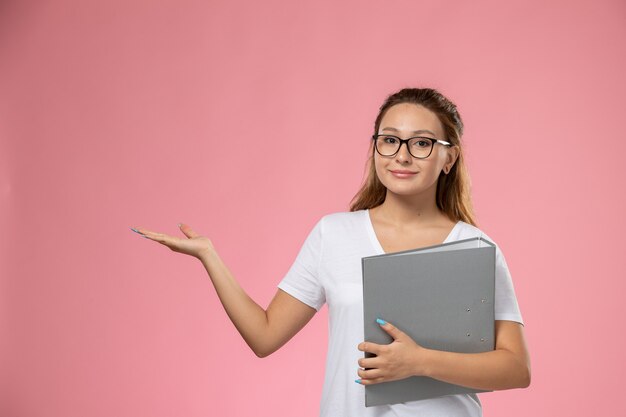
<point x="358" y="381"/>
<point x="136" y="231"/>
<point x="381" y="322"/>
<point x="180" y="224"/>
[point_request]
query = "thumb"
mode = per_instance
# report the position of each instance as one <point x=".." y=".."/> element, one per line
<point x="391" y="329"/>
<point x="187" y="231"/>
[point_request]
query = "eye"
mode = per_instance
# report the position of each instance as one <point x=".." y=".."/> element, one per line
<point x="389" y="139"/>
<point x="422" y="143"/>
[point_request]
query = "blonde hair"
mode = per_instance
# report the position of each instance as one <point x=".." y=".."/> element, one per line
<point x="453" y="189"/>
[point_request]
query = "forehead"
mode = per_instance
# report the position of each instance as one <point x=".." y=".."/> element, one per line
<point x="407" y="118"/>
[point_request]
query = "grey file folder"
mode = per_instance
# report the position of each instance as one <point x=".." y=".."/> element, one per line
<point x="442" y="296"/>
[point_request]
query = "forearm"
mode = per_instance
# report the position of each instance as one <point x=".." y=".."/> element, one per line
<point x="249" y="318"/>
<point x="264" y="330"/>
<point x="495" y="370"/>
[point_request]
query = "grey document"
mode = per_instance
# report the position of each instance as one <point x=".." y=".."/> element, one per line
<point x="442" y="296"/>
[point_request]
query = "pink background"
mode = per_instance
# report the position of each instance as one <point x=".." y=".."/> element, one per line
<point x="147" y="113"/>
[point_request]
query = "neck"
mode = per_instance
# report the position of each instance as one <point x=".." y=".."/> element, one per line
<point x="406" y="210"/>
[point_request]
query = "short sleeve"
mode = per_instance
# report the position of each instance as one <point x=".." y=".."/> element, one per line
<point x="302" y="281"/>
<point x="506" y="306"/>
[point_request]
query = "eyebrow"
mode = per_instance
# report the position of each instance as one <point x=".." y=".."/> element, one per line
<point x="415" y="132"/>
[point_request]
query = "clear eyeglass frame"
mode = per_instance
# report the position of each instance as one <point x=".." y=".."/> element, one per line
<point x="432" y="142"/>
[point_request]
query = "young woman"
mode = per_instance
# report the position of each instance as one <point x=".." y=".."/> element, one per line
<point x="416" y="194"/>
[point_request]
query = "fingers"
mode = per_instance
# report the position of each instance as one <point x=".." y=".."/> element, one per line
<point x="370" y="381"/>
<point x="187" y="231"/>
<point x="138" y="232"/>
<point x="368" y="363"/>
<point x="376" y="348"/>
<point x="147" y="234"/>
<point x="370" y="373"/>
<point x="392" y="362"/>
<point x="158" y="237"/>
<point x="390" y="328"/>
<point x="370" y="347"/>
<point x="143" y="232"/>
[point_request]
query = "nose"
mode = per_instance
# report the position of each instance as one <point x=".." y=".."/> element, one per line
<point x="403" y="154"/>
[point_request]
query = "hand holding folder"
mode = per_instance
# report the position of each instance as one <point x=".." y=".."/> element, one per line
<point x="442" y="296"/>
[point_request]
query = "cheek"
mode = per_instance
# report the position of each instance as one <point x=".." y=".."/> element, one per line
<point x="443" y="157"/>
<point x="378" y="167"/>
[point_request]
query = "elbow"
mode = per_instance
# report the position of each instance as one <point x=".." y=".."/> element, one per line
<point x="262" y="351"/>
<point x="517" y="375"/>
<point x="524" y="376"/>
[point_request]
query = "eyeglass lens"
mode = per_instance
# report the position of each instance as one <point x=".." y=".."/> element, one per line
<point x="418" y="147"/>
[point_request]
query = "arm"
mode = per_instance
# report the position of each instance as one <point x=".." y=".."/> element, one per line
<point x="263" y="330"/>
<point x="508" y="366"/>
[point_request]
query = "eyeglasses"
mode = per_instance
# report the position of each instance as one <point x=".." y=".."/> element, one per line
<point x="419" y="146"/>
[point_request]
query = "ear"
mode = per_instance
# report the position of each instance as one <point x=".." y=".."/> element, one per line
<point x="452" y="156"/>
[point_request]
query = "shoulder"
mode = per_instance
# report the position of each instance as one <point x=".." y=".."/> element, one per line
<point x="467" y="231"/>
<point x="345" y="216"/>
<point x="342" y="221"/>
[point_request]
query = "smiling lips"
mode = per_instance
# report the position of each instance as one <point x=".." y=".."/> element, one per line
<point x="401" y="173"/>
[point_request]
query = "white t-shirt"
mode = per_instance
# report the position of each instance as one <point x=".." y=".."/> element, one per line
<point x="328" y="270"/>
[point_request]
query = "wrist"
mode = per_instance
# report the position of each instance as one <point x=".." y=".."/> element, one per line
<point x="424" y="363"/>
<point x="207" y="254"/>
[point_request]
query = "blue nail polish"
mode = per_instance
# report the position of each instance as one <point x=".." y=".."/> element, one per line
<point x="358" y="381"/>
<point x="140" y="234"/>
<point x="381" y="322"/>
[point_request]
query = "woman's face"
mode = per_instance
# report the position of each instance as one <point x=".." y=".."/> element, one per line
<point x="406" y="120"/>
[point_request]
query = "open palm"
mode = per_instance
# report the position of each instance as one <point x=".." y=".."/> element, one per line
<point x="193" y="244"/>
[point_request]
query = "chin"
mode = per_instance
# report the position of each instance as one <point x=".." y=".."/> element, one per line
<point x="408" y="189"/>
<point x="406" y="193"/>
<point x="404" y="190"/>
